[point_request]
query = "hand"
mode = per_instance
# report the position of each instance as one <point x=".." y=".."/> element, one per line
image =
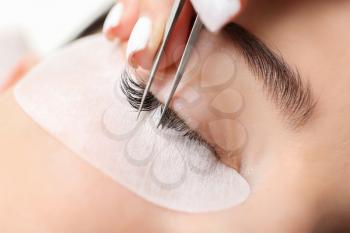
<point x="142" y="22"/>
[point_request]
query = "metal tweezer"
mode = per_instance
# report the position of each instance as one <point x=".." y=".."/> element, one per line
<point x="196" y="28"/>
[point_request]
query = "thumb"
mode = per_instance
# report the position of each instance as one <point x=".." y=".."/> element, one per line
<point x="216" y="14"/>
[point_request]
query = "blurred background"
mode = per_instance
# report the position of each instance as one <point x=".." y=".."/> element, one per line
<point x="32" y="29"/>
<point x="47" y="24"/>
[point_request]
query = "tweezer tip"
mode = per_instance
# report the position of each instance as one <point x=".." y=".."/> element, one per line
<point x="139" y="111"/>
<point x="161" y="119"/>
<point x="138" y="115"/>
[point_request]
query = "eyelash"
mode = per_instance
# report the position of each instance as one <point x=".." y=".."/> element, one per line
<point x="134" y="92"/>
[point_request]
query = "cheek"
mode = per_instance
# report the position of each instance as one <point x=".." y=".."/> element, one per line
<point x="75" y="95"/>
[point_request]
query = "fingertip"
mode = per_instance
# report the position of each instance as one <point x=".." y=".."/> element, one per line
<point x="114" y="16"/>
<point x="151" y="31"/>
<point x="139" y="40"/>
<point x="113" y="20"/>
<point x="121" y="19"/>
<point x="216" y="14"/>
<point x="19" y="71"/>
<point x="145" y="58"/>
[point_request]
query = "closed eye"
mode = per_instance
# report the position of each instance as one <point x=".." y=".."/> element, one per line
<point x="134" y="92"/>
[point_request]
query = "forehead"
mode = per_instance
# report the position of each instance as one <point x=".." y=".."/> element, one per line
<point x="315" y="41"/>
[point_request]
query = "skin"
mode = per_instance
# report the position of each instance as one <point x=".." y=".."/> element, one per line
<point x="38" y="185"/>
<point x="16" y="58"/>
<point x="20" y="70"/>
<point x="158" y="11"/>
<point x="299" y="179"/>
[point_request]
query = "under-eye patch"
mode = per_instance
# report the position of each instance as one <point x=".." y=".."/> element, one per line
<point x="76" y="96"/>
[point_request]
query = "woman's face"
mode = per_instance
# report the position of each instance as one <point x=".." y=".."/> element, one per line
<point x="277" y="113"/>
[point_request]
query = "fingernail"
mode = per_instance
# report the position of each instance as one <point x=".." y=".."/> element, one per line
<point x="139" y="37"/>
<point x="215" y="14"/>
<point x="114" y="17"/>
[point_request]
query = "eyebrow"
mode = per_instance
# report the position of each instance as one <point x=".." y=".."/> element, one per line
<point x="284" y="85"/>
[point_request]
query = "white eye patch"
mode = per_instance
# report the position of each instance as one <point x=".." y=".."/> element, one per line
<point x="75" y="96"/>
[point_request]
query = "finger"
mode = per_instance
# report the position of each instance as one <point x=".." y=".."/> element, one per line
<point x="19" y="71"/>
<point x="148" y="33"/>
<point x="176" y="42"/>
<point x="216" y="14"/>
<point x="121" y="19"/>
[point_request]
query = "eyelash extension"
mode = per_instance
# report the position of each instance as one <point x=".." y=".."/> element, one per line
<point x="134" y="92"/>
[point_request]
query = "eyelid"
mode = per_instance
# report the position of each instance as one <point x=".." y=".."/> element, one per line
<point x="134" y="92"/>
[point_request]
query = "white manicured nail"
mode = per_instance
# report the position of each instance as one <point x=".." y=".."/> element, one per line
<point x="215" y="14"/>
<point x="114" y="17"/>
<point x="139" y="37"/>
